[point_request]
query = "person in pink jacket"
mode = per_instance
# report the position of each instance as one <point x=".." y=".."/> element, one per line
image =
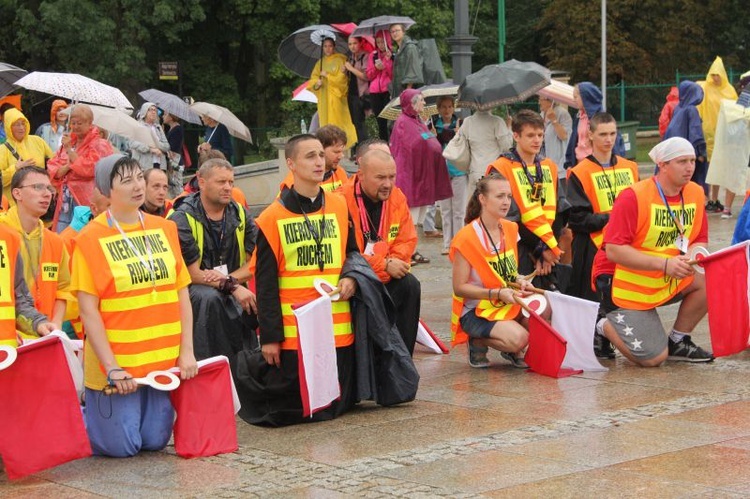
<point x="380" y="73"/>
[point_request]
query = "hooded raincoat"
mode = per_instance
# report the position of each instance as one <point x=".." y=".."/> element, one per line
<point x="420" y="167"/>
<point x="712" y="97"/>
<point x="13" y="150"/>
<point x="673" y="97"/>
<point x="142" y="152"/>
<point x="52" y="132"/>
<point x="686" y="122"/>
<point x="731" y="147"/>
<point x="579" y="146"/>
<point x="333" y="108"/>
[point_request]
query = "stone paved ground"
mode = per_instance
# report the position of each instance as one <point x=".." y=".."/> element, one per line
<point x="676" y="431"/>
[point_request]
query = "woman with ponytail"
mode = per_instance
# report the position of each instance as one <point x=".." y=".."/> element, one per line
<point x="485" y="261"/>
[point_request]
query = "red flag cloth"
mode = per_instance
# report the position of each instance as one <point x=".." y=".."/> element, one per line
<point x="41" y="424"/>
<point x="727" y="299"/>
<point x="546" y="349"/>
<point x="205" y="424"/>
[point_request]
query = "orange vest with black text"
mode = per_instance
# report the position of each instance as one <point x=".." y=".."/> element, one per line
<point x="295" y="249"/>
<point x="490" y="267"/>
<point x="10" y="244"/>
<point x="537" y="215"/>
<point x="141" y="316"/>
<point x="655" y="235"/>
<point x="603" y="185"/>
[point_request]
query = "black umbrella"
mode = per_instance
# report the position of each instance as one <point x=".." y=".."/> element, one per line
<point x="301" y="50"/>
<point x="9" y="74"/>
<point x="504" y="83"/>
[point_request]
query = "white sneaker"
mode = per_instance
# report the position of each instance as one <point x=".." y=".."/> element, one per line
<point x="727" y="213"/>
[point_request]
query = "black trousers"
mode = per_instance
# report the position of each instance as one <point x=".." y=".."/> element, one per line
<point x="378" y="102"/>
<point x="406" y="294"/>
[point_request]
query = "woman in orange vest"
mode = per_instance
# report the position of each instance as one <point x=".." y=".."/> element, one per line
<point x="132" y="291"/>
<point x="485" y="261"/>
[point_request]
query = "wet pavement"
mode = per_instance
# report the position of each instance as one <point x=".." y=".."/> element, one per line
<point x="680" y="430"/>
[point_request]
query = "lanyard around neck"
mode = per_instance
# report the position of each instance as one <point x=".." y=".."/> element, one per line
<point x="679" y="224"/>
<point x="364" y="216"/>
<point x="501" y="265"/>
<point x="317" y="235"/>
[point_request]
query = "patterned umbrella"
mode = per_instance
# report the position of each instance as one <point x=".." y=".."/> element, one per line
<point x="504" y="83"/>
<point x="171" y="104"/>
<point x="301" y="50"/>
<point x="392" y="110"/>
<point x="225" y="117"/>
<point x="9" y="74"/>
<point x="75" y="87"/>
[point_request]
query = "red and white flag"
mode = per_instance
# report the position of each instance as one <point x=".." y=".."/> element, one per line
<point x="318" y="367"/>
<point x="727" y="297"/>
<point x="546" y="349"/>
<point x="575" y="320"/>
<point x="205" y="407"/>
<point x="429" y="340"/>
<point x="41" y="424"/>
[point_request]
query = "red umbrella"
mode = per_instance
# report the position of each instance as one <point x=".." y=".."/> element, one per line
<point x="367" y="42"/>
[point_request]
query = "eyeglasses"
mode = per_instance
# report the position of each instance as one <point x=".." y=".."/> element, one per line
<point x="40" y="188"/>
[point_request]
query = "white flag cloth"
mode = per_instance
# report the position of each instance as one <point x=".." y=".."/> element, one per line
<point x="575" y="320"/>
<point x="319" y="376"/>
<point x="427" y="339"/>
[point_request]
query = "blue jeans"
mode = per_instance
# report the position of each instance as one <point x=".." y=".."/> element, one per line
<point x="123" y="425"/>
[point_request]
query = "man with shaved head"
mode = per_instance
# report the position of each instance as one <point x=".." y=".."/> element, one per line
<point x="72" y="168"/>
<point x="385" y="232"/>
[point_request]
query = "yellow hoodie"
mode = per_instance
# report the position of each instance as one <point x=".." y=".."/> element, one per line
<point x="31" y="147"/>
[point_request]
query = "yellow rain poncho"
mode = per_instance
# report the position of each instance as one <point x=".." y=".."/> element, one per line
<point x="712" y="97"/>
<point x="30" y="147"/>
<point x="333" y="108"/>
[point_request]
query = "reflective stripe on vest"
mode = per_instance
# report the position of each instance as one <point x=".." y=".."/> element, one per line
<point x="655" y="235"/>
<point x="538" y="217"/>
<point x="594" y="180"/>
<point x="9" y="246"/>
<point x="197" y="230"/>
<point x="295" y="249"/>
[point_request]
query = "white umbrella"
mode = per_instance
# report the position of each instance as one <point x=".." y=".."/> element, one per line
<point x="120" y="123"/>
<point x="75" y="87"/>
<point x="224" y="116"/>
<point x="171" y="104"/>
<point x="559" y="92"/>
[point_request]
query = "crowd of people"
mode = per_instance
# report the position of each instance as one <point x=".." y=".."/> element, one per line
<point x="96" y="245"/>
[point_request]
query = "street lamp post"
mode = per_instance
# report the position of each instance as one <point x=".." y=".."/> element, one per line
<point x="461" y="41"/>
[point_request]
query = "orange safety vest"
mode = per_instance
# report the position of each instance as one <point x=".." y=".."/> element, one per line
<point x="655" y="235"/>
<point x="331" y="184"/>
<point x="142" y="321"/>
<point x="468" y="242"/>
<point x="10" y="244"/>
<point x="401" y="236"/>
<point x="603" y="185"/>
<point x="538" y="216"/>
<point x="295" y="250"/>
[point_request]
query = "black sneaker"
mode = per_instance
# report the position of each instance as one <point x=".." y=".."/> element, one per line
<point x="514" y="360"/>
<point x="714" y="207"/>
<point x="603" y="348"/>
<point x="478" y="355"/>
<point x="687" y="351"/>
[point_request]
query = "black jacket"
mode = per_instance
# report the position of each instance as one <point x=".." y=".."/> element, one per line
<point x="385" y="371"/>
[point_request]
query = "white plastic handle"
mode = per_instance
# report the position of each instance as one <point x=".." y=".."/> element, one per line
<point x="10" y="356"/>
<point x="319" y="285"/>
<point x="536" y="302"/>
<point x="696" y="252"/>
<point x="150" y="380"/>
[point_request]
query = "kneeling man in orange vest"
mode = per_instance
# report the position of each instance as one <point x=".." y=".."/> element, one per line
<point x="643" y="262"/>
